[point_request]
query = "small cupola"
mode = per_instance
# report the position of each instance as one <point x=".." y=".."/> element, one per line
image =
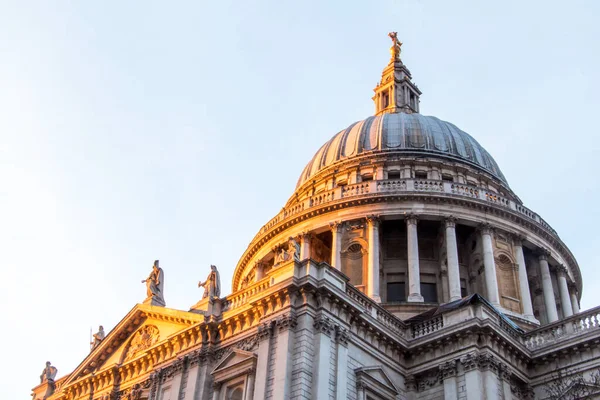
<point x="395" y="92"/>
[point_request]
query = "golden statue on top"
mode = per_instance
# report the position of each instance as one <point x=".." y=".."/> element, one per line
<point x="396" y="46"/>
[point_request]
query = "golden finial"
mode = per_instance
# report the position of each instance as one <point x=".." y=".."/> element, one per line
<point x="396" y="46"/>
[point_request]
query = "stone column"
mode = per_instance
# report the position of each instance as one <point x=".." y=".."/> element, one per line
<point x="414" y="278"/>
<point x="549" y="301"/>
<point x="448" y="372"/>
<point x="574" y="299"/>
<point x="373" y="266"/>
<point x="336" y="244"/>
<point x="265" y="338"/>
<point x="283" y="357"/>
<point x="260" y="269"/>
<point x="489" y="371"/>
<point x="504" y="373"/>
<point x="563" y="290"/>
<point x="305" y="241"/>
<point x="250" y="385"/>
<point x="491" y="281"/>
<point x="217" y="391"/>
<point x="523" y="280"/>
<point x="452" y="257"/>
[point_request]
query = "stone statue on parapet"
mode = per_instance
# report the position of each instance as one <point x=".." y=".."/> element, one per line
<point x="293" y="249"/>
<point x="396" y="46"/>
<point x="155" y="286"/>
<point x="49" y="373"/>
<point x="212" y="284"/>
<point x="97" y="337"/>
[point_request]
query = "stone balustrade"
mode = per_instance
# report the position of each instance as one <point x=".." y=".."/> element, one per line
<point x="576" y="325"/>
<point x="426" y="327"/>
<point x="402" y="186"/>
<point x="242" y="297"/>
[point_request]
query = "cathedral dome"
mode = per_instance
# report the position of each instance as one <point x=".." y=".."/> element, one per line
<point x="405" y="134"/>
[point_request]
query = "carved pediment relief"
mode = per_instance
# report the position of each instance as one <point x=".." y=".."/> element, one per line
<point x="237" y="362"/>
<point x="143" y="339"/>
<point x="376" y="380"/>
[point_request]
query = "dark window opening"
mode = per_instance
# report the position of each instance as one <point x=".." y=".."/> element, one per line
<point x="395" y="292"/>
<point x="429" y="292"/>
<point x="420" y="175"/>
<point x="386" y="100"/>
<point x="394" y="175"/>
<point x="447" y="178"/>
<point x="366" y="178"/>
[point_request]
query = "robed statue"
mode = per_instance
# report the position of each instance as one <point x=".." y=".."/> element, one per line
<point x="49" y="373"/>
<point x="212" y="284"/>
<point x="97" y="337"/>
<point x="155" y="286"/>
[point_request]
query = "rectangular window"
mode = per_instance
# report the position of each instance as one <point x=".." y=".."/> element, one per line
<point x="394" y="175"/>
<point x="366" y="178"/>
<point x="420" y="175"/>
<point x="395" y="292"/>
<point x="429" y="292"/>
<point x="447" y="178"/>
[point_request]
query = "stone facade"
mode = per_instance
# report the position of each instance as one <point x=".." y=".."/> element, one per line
<point x="403" y="271"/>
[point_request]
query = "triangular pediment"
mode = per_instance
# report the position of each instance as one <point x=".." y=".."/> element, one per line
<point x="377" y="375"/>
<point x="142" y="328"/>
<point x="236" y="363"/>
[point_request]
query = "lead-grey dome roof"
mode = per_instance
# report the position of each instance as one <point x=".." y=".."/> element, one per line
<point x="411" y="134"/>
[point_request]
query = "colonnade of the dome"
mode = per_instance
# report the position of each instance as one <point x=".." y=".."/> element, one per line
<point x="409" y="261"/>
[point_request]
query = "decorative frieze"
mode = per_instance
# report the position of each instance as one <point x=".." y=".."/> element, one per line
<point x="287" y="321"/>
<point x="323" y="325"/>
<point x="469" y="362"/>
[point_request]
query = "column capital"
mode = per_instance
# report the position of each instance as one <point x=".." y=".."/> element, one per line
<point x="411" y="219"/>
<point x="485" y="229"/>
<point x="561" y="270"/>
<point x="306" y="235"/>
<point x="336" y="226"/>
<point x="572" y="287"/>
<point x="373" y="219"/>
<point x="410" y="383"/>
<point x="448" y="369"/>
<point x="450" y="221"/>
<point x="518" y="239"/>
<point x="543" y="254"/>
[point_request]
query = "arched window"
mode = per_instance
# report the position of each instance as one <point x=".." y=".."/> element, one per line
<point x="353" y="264"/>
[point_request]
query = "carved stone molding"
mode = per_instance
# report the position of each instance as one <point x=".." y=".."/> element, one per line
<point x="373" y="220"/>
<point x="469" y="362"/>
<point x="410" y="383"/>
<point x="323" y="325"/>
<point x="336" y="226"/>
<point x="448" y="370"/>
<point x="341" y="335"/>
<point x="450" y="221"/>
<point x="265" y="330"/>
<point x="487" y="362"/>
<point x="248" y="344"/>
<point x="411" y="219"/>
<point x="504" y="372"/>
<point x="429" y="380"/>
<point x="286" y="322"/>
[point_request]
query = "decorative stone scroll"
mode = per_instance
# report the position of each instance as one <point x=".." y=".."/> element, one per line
<point x="143" y="339"/>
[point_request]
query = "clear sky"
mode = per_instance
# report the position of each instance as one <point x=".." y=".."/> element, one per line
<point x="134" y="131"/>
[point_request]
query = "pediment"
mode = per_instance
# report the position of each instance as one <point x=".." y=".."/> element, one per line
<point x="142" y="328"/>
<point x="376" y="379"/>
<point x="237" y="362"/>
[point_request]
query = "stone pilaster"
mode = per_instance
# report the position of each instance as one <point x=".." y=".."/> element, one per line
<point x="373" y="266"/>
<point x="324" y="330"/>
<point x="305" y="245"/>
<point x="414" y="273"/>
<point x="448" y="372"/>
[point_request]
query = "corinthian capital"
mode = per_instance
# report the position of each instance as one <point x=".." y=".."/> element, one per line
<point x="450" y="221"/>
<point x="373" y="220"/>
<point x="485" y="229"/>
<point x="543" y="254"/>
<point x="411" y="219"/>
<point x="336" y="226"/>
<point x="561" y="270"/>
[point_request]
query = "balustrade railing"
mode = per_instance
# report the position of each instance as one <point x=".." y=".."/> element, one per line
<point x="576" y="325"/>
<point x="390" y="186"/>
<point x="242" y="297"/>
<point x="426" y="327"/>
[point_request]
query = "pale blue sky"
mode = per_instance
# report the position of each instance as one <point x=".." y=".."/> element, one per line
<point x="131" y="131"/>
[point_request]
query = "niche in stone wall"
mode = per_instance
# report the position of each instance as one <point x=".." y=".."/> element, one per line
<point x="354" y="263"/>
<point x="321" y="247"/>
<point x="508" y="283"/>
